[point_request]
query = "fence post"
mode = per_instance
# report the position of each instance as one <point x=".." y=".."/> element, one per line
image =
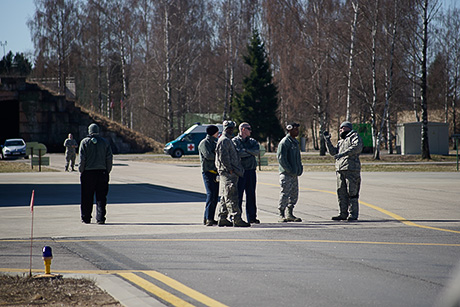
<point x="32" y="157"/>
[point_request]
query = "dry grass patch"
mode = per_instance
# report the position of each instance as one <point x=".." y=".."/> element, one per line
<point x="313" y="162"/>
<point x="20" y="167"/>
<point x="28" y="291"/>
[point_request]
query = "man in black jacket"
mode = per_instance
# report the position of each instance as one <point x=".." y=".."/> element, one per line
<point x="96" y="161"/>
<point x="207" y="150"/>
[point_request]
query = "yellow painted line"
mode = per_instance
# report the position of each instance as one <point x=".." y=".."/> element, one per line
<point x="184" y="289"/>
<point x="384" y="211"/>
<point x="155" y="290"/>
<point x="403" y="220"/>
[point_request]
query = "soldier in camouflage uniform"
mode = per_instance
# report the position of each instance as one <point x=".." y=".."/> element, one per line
<point x="348" y="170"/>
<point x="70" y="152"/>
<point x="228" y="165"/>
<point x="290" y="168"/>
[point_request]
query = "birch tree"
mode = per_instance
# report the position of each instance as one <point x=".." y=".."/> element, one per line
<point x="232" y="29"/>
<point x="354" y="25"/>
<point x="418" y="40"/>
<point x="391" y="33"/>
<point x="55" y="29"/>
<point x="93" y="45"/>
<point x="449" y="41"/>
<point x="235" y="27"/>
<point x="373" y="108"/>
<point x="427" y="13"/>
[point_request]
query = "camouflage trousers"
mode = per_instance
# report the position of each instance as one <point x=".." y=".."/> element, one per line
<point x="348" y="185"/>
<point x="229" y="196"/>
<point x="70" y="158"/>
<point x="289" y="191"/>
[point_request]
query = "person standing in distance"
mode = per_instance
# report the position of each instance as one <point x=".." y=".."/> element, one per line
<point x="290" y="168"/>
<point x="248" y="149"/>
<point x="229" y="167"/>
<point x="348" y="170"/>
<point x="207" y="151"/>
<point x="96" y="161"/>
<point x="70" y="152"/>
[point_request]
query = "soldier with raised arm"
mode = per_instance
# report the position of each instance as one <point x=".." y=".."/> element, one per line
<point x="348" y="170"/>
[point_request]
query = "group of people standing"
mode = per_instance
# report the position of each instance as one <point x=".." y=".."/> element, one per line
<point x="231" y="162"/>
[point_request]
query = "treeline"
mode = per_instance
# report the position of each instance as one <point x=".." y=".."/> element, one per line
<point x="15" y="65"/>
<point x="149" y="63"/>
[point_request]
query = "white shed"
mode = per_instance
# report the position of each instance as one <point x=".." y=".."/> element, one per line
<point x="408" y="138"/>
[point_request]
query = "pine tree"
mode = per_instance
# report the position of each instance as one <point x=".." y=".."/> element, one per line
<point x="258" y="103"/>
<point x="17" y="65"/>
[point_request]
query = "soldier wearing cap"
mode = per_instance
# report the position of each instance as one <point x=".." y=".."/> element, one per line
<point x="229" y="167"/>
<point x="290" y="168"/>
<point x="348" y="170"/>
<point x="248" y="149"/>
<point x="95" y="166"/>
<point x="207" y="150"/>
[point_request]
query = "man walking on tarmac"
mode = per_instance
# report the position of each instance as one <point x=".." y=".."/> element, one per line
<point x="290" y="168"/>
<point x="95" y="166"/>
<point x="348" y="170"/>
<point x="229" y="167"/>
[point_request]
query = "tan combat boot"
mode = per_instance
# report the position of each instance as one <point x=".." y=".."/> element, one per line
<point x="290" y="217"/>
<point x="282" y="218"/>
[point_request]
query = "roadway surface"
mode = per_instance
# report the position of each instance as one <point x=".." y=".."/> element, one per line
<point x="154" y="250"/>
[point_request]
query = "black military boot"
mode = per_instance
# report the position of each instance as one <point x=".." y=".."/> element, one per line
<point x="340" y="217"/>
<point x="282" y="218"/>
<point x="290" y="216"/>
<point x="238" y="222"/>
<point x="224" y="222"/>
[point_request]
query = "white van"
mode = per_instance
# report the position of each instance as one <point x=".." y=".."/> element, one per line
<point x="187" y="143"/>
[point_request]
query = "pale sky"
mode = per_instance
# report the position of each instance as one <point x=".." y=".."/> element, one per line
<point x="13" y="27"/>
<point x="16" y="34"/>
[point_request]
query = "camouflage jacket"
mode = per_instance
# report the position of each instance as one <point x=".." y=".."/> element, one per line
<point x="227" y="159"/>
<point x="248" y="149"/>
<point x="349" y="148"/>
<point x="288" y="155"/>
<point x="70" y="146"/>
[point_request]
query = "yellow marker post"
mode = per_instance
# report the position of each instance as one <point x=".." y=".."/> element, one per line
<point x="47" y="256"/>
